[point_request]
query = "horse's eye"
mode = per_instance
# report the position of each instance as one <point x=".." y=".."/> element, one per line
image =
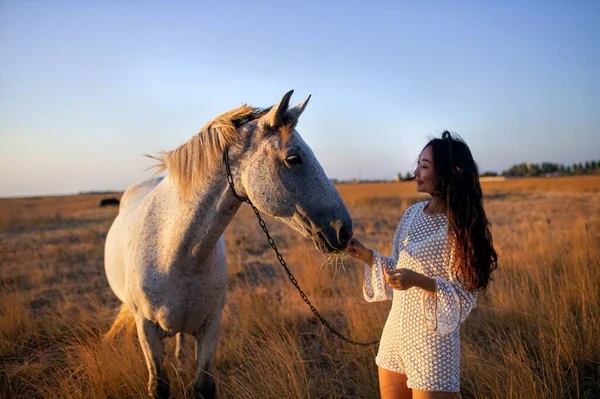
<point x="294" y="160"/>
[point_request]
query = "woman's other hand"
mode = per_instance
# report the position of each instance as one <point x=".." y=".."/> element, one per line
<point x="402" y="279"/>
<point x="357" y="250"/>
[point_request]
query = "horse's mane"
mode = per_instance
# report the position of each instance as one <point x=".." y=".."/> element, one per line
<point x="190" y="163"/>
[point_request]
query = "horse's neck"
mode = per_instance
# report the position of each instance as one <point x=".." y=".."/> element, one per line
<point x="193" y="227"/>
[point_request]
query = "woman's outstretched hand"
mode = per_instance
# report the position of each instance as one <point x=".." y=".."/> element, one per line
<point x="359" y="251"/>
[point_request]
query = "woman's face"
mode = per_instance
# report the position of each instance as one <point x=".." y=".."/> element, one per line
<point x="425" y="172"/>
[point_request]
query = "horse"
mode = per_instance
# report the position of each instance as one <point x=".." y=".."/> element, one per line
<point x="109" y="202"/>
<point x="165" y="250"/>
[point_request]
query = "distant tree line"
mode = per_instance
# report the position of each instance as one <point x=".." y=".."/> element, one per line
<point x="539" y="170"/>
<point x="553" y="169"/>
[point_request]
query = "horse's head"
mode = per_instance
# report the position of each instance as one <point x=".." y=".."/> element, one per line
<point x="282" y="177"/>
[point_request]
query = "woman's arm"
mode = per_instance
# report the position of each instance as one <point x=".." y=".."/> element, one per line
<point x="376" y="265"/>
<point x="357" y="250"/>
<point x="451" y="304"/>
<point x="404" y="279"/>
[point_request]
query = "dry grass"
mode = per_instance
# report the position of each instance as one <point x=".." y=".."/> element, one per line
<point x="534" y="334"/>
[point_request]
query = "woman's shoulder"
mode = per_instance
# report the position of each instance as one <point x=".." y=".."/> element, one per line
<point x="411" y="210"/>
<point x="415" y="207"/>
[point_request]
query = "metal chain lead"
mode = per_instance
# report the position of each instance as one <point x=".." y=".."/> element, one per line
<point x="262" y="224"/>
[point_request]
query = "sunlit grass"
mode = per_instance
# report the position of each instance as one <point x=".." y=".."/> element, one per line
<point x="533" y="335"/>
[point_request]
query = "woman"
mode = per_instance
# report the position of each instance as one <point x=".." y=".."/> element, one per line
<point x="443" y="255"/>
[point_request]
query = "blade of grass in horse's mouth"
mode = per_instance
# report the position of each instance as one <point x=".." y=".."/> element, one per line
<point x="322" y="241"/>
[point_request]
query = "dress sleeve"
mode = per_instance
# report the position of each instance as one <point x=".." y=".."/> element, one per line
<point x="450" y="305"/>
<point x="374" y="287"/>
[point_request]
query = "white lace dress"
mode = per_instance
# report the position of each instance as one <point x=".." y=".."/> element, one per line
<point x="421" y="338"/>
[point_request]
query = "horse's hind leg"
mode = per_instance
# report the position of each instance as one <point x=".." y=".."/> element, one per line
<point x="124" y="319"/>
<point x="179" y="342"/>
<point x="150" y="337"/>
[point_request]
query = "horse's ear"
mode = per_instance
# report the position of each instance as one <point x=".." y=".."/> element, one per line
<point x="276" y="116"/>
<point x="293" y="114"/>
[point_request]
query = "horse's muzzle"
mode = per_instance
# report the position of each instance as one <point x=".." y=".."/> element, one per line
<point x="333" y="238"/>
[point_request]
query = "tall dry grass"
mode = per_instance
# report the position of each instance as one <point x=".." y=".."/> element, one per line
<point x="533" y="335"/>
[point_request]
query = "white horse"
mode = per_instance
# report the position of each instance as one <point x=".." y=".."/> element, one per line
<point x="165" y="252"/>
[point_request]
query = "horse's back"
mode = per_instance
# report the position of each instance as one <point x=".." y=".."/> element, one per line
<point x="138" y="191"/>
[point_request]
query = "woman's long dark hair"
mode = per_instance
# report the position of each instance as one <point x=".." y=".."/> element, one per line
<point x="457" y="182"/>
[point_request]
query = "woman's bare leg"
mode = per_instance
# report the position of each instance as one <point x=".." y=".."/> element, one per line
<point x="393" y="385"/>
<point x="417" y="394"/>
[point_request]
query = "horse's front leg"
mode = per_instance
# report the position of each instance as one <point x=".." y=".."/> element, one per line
<point x="206" y="348"/>
<point x="151" y="336"/>
<point x="179" y="343"/>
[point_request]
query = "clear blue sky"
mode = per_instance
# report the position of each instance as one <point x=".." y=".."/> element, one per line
<point x="87" y="87"/>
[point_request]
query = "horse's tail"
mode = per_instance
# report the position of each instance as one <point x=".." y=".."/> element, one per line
<point x="124" y="319"/>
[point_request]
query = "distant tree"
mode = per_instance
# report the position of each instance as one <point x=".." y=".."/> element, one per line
<point x="522" y="169"/>
<point x="546" y="168"/>
<point x="549" y="168"/>
<point x="489" y="174"/>
<point x="519" y="170"/>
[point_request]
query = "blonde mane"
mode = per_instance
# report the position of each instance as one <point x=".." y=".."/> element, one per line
<point x="192" y="161"/>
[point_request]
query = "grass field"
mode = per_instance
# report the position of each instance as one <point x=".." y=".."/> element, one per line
<point x="533" y="335"/>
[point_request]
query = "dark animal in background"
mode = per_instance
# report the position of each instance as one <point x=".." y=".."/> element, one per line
<point x="109" y="202"/>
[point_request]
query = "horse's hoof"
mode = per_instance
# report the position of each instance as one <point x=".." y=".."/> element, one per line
<point x="160" y="391"/>
<point x="208" y="391"/>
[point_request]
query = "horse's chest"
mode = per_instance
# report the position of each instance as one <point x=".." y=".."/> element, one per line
<point x="183" y="304"/>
